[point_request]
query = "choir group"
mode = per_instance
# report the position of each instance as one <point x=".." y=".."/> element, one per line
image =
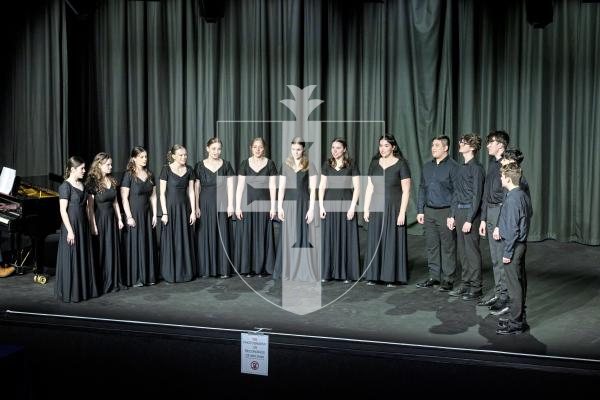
<point x="104" y="247"/>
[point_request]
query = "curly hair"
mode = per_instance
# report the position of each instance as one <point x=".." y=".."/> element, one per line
<point x="94" y="180"/>
<point x="472" y="140"/>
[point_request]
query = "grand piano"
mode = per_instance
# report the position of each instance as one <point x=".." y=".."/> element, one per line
<point x="31" y="210"/>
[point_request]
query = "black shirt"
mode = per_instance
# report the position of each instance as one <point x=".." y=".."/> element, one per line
<point x="493" y="192"/>
<point x="468" y="188"/>
<point x="524" y="186"/>
<point x="513" y="222"/>
<point x="437" y="184"/>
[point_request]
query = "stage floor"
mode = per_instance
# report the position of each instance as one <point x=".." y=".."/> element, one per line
<point x="563" y="306"/>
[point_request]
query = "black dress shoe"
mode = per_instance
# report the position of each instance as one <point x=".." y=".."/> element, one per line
<point x="445" y="287"/>
<point x="459" y="291"/>
<point x="472" y="295"/>
<point x="511" y="330"/>
<point x="488" y="302"/>
<point x="499" y="308"/>
<point x="428" y="283"/>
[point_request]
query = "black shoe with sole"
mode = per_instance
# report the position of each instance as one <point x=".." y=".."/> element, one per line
<point x="445" y="287"/>
<point x="488" y="302"/>
<point x="428" y="283"/>
<point x="472" y="295"/>
<point x="499" y="308"/>
<point x="459" y="291"/>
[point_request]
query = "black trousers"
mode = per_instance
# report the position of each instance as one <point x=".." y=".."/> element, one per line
<point x="496" y="250"/>
<point x="468" y="251"/>
<point x="516" y="283"/>
<point x="441" y="245"/>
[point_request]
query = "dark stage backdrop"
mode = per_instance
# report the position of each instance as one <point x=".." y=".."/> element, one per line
<point x="150" y="73"/>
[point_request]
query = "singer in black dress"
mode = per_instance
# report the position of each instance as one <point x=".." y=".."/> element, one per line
<point x="338" y="195"/>
<point x="255" y="210"/>
<point x="296" y="251"/>
<point x="177" y="242"/>
<point x="386" y="201"/>
<point x="214" y="206"/>
<point x="75" y="279"/>
<point x="105" y="219"/>
<point x="138" y="195"/>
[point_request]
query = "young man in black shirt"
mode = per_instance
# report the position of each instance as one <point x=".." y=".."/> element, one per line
<point x="493" y="195"/>
<point x="433" y="210"/>
<point x="511" y="231"/>
<point x="465" y="216"/>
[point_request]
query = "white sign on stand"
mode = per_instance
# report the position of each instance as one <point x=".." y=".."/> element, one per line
<point x="255" y="354"/>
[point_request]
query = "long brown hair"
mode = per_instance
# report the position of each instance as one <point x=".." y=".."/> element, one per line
<point x="304" y="160"/>
<point x="72" y="162"/>
<point x="136" y="151"/>
<point x="264" y="143"/>
<point x="94" y="179"/>
<point x="345" y="160"/>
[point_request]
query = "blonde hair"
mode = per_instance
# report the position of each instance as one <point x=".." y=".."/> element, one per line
<point x="513" y="172"/>
<point x="304" y="160"/>
<point x="171" y="152"/>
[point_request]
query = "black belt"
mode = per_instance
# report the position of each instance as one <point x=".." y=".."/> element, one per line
<point x="494" y="205"/>
<point x="438" y="208"/>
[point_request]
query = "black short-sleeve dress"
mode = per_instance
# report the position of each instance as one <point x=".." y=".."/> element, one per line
<point x="106" y="245"/>
<point x="255" y="238"/>
<point x="140" y="250"/>
<point x="386" y="259"/>
<point x="177" y="242"/>
<point x="339" y="236"/>
<point x="213" y="227"/>
<point x="297" y="258"/>
<point x="75" y="278"/>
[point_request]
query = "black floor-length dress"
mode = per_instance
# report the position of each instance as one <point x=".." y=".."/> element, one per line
<point x="339" y="236"/>
<point x="177" y="242"/>
<point x="140" y="249"/>
<point x="255" y="238"/>
<point x="292" y="263"/>
<point x="213" y="227"/>
<point x="75" y="278"/>
<point x="386" y="257"/>
<point x="106" y="244"/>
